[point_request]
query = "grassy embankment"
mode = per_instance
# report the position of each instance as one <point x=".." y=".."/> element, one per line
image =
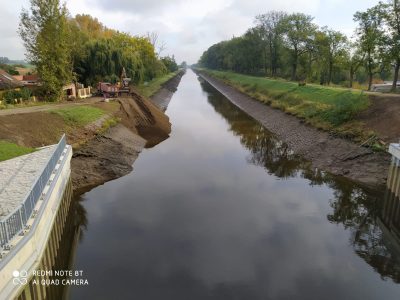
<point x="148" y="89"/>
<point x="10" y="150"/>
<point x="79" y="115"/>
<point x="327" y="108"/>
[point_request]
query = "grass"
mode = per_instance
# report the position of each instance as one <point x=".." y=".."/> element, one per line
<point x="10" y="150"/>
<point x="327" y="108"/>
<point x="79" y="115"/>
<point x="111" y="122"/>
<point x="148" y="89"/>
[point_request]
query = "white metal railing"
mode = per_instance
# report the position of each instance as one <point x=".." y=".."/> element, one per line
<point x="15" y="222"/>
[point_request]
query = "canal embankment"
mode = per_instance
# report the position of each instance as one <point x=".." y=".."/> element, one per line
<point x="325" y="151"/>
<point x="109" y="155"/>
<point x="106" y="136"/>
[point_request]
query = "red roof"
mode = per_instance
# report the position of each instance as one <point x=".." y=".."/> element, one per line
<point x="34" y="77"/>
<point x="7" y="81"/>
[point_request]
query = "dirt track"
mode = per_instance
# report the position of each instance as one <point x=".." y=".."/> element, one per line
<point x="335" y="155"/>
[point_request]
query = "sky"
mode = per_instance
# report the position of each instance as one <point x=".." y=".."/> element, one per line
<point x="187" y="27"/>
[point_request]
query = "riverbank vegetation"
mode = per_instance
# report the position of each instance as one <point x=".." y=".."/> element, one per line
<point x="65" y="49"/>
<point x="327" y="108"/>
<point x="149" y="88"/>
<point x="292" y="46"/>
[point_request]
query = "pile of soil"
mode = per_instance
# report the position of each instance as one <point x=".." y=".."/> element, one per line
<point x="335" y="155"/>
<point x="145" y="119"/>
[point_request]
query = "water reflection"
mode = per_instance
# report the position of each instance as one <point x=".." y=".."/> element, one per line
<point x="356" y="209"/>
<point x="223" y="210"/>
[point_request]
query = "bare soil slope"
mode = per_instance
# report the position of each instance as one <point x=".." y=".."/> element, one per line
<point x="112" y="154"/>
<point x="383" y="116"/>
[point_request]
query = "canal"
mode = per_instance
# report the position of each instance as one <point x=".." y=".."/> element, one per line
<point x="224" y="210"/>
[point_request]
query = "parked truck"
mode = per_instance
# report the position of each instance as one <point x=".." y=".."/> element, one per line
<point x="107" y="89"/>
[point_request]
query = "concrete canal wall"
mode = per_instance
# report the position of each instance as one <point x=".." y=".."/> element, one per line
<point x="24" y="252"/>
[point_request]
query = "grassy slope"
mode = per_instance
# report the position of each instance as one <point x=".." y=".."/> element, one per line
<point x="151" y="87"/>
<point x="10" y="150"/>
<point x="79" y="115"/>
<point x="331" y="109"/>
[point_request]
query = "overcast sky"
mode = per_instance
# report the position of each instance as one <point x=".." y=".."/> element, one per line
<point x="187" y="27"/>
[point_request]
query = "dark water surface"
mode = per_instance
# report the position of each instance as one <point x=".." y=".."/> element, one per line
<point x="224" y="210"/>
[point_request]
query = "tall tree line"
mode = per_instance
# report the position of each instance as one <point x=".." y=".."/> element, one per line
<point x="292" y="46"/>
<point x="82" y="49"/>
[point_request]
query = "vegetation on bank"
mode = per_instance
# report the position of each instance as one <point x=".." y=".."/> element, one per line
<point x="149" y="88"/>
<point x="65" y="49"/>
<point x="293" y="46"/>
<point x="79" y="115"/>
<point x="10" y="150"/>
<point x="327" y="108"/>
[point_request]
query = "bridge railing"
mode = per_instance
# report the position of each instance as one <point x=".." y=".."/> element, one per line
<point x="15" y="222"/>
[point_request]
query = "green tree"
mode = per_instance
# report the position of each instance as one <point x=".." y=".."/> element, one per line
<point x="369" y="35"/>
<point x="334" y="47"/>
<point x="46" y="36"/>
<point x="270" y="25"/>
<point x="170" y="63"/>
<point x="390" y="13"/>
<point x="299" y="37"/>
<point x="353" y="60"/>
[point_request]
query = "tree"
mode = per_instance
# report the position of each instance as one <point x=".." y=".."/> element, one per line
<point x="390" y="14"/>
<point x="46" y="36"/>
<point x="270" y="25"/>
<point x="170" y="63"/>
<point x="369" y="36"/>
<point x="299" y="35"/>
<point x="334" y="46"/>
<point x="354" y="60"/>
<point x="153" y="38"/>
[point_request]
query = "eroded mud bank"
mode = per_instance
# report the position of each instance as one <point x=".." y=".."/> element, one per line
<point x="111" y="155"/>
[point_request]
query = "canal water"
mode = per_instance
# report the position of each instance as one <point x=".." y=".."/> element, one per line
<point x="224" y="210"/>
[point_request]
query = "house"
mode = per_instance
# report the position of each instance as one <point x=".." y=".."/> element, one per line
<point x="8" y="82"/>
<point x="71" y="91"/>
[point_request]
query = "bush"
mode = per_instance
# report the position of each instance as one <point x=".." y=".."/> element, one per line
<point x="11" y="95"/>
<point x="25" y="94"/>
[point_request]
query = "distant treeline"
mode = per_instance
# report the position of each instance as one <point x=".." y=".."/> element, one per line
<point x="64" y="49"/>
<point x="292" y="46"/>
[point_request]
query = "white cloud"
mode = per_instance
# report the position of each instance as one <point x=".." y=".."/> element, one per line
<point x="187" y="27"/>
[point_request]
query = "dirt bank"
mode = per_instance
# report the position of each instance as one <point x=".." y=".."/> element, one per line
<point x="383" y="116"/>
<point x="335" y="155"/>
<point x="111" y="155"/>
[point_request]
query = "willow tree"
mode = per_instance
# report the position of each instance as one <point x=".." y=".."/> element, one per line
<point x="46" y="36"/>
